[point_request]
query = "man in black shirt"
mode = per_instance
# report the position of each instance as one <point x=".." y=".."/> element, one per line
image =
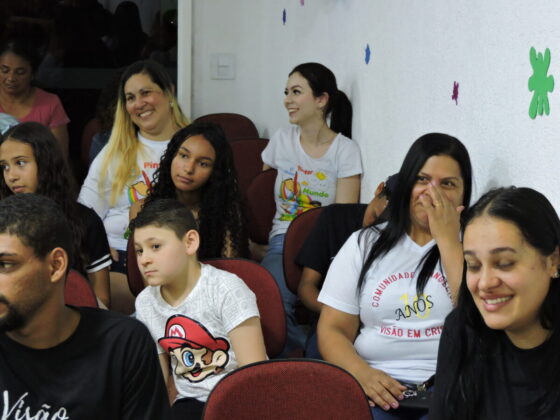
<point x="56" y="361"/>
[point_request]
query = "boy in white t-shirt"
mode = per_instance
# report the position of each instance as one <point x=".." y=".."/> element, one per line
<point x="205" y="321"/>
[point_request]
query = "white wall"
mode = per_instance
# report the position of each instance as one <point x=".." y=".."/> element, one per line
<point x="419" y="48"/>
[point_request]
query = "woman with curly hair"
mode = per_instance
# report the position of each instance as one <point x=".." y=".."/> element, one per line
<point x="197" y="169"/>
<point x="32" y="162"/>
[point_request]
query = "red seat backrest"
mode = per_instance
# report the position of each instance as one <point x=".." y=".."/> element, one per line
<point x="261" y="206"/>
<point x="235" y="126"/>
<point x="247" y="160"/>
<point x="296" y="234"/>
<point x="269" y="301"/>
<point x="288" y="389"/>
<point x="78" y="292"/>
<point x="133" y="275"/>
<point x="91" y="129"/>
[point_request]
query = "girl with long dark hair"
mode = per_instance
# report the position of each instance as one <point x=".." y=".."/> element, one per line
<point x="32" y="162"/>
<point x="197" y="168"/>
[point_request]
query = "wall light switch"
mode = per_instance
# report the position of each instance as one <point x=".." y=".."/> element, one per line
<point x="222" y="66"/>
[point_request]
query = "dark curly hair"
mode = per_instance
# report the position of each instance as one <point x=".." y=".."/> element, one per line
<point x="54" y="179"/>
<point x="221" y="215"/>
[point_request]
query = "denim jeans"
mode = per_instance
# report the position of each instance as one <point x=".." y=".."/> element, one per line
<point x="272" y="261"/>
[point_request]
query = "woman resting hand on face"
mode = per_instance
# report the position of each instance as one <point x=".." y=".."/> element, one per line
<point x="390" y="287"/>
<point x="498" y="356"/>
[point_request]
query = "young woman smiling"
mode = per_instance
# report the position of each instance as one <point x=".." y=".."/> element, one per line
<point x="498" y="357"/>
<point x="317" y="165"/>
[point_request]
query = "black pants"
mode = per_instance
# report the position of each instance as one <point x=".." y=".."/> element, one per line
<point x="187" y="408"/>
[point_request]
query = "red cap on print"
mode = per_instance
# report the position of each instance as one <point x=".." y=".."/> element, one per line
<point x="181" y="330"/>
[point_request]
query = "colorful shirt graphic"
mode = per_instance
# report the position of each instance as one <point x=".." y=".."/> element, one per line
<point x="115" y="217"/>
<point x="139" y="190"/>
<point x="304" y="182"/>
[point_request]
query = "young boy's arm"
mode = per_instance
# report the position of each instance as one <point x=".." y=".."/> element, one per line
<point x="247" y="342"/>
<point x="167" y="378"/>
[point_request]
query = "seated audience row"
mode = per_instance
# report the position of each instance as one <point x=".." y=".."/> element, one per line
<point x="386" y="295"/>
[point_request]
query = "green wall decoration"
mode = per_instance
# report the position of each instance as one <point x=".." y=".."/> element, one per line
<point x="539" y="83"/>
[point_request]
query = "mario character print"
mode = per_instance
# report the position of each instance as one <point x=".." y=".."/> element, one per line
<point x="198" y="354"/>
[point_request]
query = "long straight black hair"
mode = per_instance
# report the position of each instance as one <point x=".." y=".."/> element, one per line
<point x="538" y="222"/>
<point x="398" y="209"/>
<point x="322" y="80"/>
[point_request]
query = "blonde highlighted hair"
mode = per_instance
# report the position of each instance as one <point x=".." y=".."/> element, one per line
<point x="123" y="146"/>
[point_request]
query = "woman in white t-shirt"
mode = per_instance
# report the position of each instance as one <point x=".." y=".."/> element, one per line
<point x="317" y="165"/>
<point x="389" y="289"/>
<point x="146" y="117"/>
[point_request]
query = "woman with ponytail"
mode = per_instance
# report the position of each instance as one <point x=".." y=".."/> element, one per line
<point x="317" y="165"/>
<point x="390" y="287"/>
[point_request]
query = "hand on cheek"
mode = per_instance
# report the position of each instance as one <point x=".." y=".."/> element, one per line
<point x="443" y="216"/>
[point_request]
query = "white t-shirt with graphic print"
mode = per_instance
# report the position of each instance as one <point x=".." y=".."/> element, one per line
<point x="399" y="331"/>
<point x="115" y="218"/>
<point x="304" y="182"/>
<point x="219" y="302"/>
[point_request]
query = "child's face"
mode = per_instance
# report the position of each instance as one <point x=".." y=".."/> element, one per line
<point x="192" y="165"/>
<point x="162" y="257"/>
<point x="19" y="167"/>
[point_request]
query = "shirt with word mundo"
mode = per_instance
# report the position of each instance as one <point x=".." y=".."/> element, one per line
<point x="304" y="182"/>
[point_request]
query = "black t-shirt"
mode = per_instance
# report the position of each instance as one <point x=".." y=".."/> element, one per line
<point x="107" y="369"/>
<point x="333" y="227"/>
<point x="511" y="377"/>
<point x="95" y="240"/>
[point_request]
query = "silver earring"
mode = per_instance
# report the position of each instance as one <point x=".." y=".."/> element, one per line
<point x="556" y="275"/>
